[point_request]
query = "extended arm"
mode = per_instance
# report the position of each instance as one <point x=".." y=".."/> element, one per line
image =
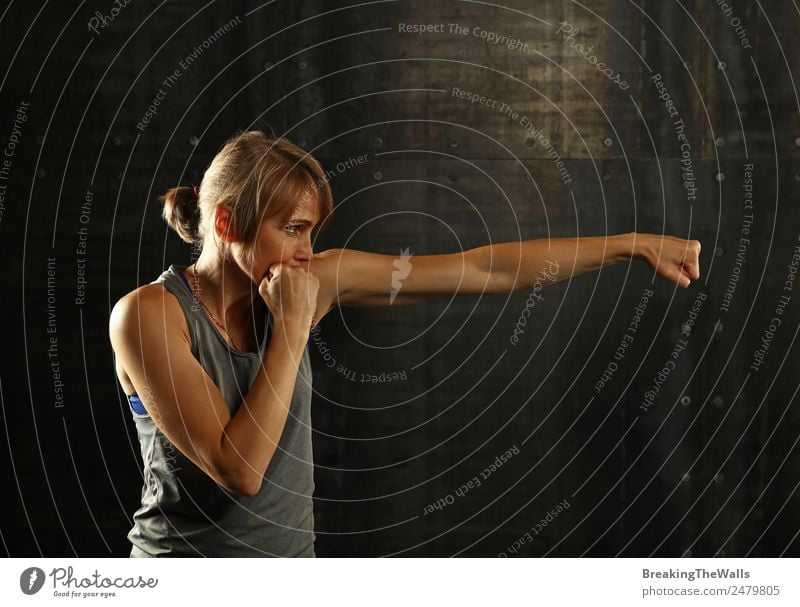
<point x="357" y="278"/>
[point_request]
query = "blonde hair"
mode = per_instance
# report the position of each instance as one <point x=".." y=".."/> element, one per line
<point x="256" y="177"/>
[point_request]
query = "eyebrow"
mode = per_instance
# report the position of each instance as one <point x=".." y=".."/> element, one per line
<point x="301" y="221"/>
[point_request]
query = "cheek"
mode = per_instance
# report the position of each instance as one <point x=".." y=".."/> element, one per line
<point x="269" y="241"/>
<point x="278" y="248"/>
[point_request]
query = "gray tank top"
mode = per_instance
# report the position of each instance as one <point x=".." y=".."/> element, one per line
<point x="183" y="511"/>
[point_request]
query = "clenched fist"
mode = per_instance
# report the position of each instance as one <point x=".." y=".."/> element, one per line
<point x="675" y="259"/>
<point x="290" y="293"/>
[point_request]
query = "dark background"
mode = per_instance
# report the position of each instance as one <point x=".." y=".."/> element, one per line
<point x="710" y="469"/>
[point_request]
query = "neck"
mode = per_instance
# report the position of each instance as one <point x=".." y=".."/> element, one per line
<point x="225" y="289"/>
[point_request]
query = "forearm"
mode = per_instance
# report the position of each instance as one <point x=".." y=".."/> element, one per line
<point x="514" y="266"/>
<point x="251" y="437"/>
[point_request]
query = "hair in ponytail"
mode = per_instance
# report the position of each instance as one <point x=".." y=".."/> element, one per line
<point x="182" y="213"/>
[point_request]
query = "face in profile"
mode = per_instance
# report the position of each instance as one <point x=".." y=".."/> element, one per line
<point x="286" y="241"/>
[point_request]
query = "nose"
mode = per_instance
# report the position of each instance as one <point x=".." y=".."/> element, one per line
<point x="304" y="252"/>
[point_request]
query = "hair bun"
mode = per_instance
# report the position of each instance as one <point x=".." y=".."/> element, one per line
<point x="182" y="213"/>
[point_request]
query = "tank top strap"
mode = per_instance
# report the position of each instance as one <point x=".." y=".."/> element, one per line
<point x="201" y="327"/>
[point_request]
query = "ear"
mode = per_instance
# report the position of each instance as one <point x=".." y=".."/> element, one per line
<point x="223" y="224"/>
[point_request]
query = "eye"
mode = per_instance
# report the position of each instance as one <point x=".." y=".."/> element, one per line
<point x="292" y="227"/>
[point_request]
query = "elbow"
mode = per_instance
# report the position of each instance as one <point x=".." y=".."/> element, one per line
<point x="240" y="478"/>
<point x="243" y="487"/>
<point x="492" y="277"/>
<point x="249" y="490"/>
<point x="498" y="281"/>
<point x="234" y="473"/>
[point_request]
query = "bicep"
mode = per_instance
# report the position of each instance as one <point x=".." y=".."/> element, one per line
<point x="177" y="393"/>
<point x="361" y="279"/>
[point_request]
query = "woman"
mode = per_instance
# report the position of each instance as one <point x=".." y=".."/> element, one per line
<point x="214" y="356"/>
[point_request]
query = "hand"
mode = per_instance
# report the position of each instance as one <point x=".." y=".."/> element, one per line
<point x="675" y="259"/>
<point x="290" y="293"/>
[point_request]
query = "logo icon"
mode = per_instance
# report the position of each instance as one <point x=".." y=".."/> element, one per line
<point x="401" y="273"/>
<point x="31" y="580"/>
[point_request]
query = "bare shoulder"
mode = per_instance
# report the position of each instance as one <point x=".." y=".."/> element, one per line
<point x="324" y="263"/>
<point x="137" y="318"/>
<point x="150" y="303"/>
